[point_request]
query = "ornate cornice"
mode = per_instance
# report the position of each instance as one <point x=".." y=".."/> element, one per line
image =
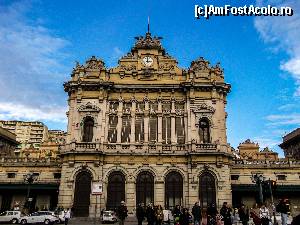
<point x="203" y="108"/>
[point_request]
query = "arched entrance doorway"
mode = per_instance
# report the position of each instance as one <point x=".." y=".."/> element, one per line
<point x="207" y="189"/>
<point x="115" y="190"/>
<point x="173" y="190"/>
<point x="145" y="188"/>
<point x="82" y="194"/>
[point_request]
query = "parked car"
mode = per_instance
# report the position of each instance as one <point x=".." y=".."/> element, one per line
<point x="109" y="217"/>
<point x="46" y="217"/>
<point x="60" y="215"/>
<point x="10" y="217"/>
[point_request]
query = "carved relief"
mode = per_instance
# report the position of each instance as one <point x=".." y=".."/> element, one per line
<point x="166" y="66"/>
<point x="94" y="64"/>
<point x="128" y="67"/>
<point x="200" y="65"/>
<point x="148" y="42"/>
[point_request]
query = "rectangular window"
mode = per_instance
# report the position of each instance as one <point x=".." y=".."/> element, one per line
<point x="57" y="175"/>
<point x="11" y="175"/>
<point x="281" y="177"/>
<point x="166" y="130"/>
<point x="126" y="129"/>
<point x="112" y="129"/>
<point x="235" y="177"/>
<point x="153" y="128"/>
<point x="126" y="107"/>
<point x="113" y="106"/>
<point x="139" y="129"/>
<point x="179" y="130"/>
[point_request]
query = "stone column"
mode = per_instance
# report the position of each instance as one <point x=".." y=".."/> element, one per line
<point x="173" y="132"/>
<point x="105" y="121"/>
<point x="130" y="195"/>
<point x="146" y="122"/>
<point x="188" y="137"/>
<point x="159" y="121"/>
<point x="132" y="134"/>
<point x="159" y="193"/>
<point x="119" y="126"/>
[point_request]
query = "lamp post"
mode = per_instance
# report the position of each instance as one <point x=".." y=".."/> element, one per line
<point x="29" y="178"/>
<point x="259" y="179"/>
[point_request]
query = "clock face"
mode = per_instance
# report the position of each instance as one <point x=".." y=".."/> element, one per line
<point x="148" y="61"/>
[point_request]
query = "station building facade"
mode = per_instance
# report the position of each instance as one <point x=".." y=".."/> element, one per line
<point x="147" y="131"/>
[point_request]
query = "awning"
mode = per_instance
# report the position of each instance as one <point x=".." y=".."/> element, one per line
<point x="32" y="186"/>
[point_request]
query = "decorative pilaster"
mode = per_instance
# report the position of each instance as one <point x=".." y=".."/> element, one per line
<point x="132" y="134"/>
<point x="146" y="121"/>
<point x="173" y="132"/>
<point x="119" y="126"/>
<point x="159" y="121"/>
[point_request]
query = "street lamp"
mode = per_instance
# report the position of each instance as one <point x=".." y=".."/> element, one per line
<point x="259" y="179"/>
<point x="29" y="178"/>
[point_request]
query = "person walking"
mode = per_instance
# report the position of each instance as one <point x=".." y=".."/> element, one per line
<point x="122" y="213"/>
<point x="244" y="215"/>
<point x="184" y="217"/>
<point x="196" y="211"/>
<point x="159" y="215"/>
<point x="140" y="214"/>
<point x="67" y="216"/>
<point x="264" y="215"/>
<point x="211" y="214"/>
<point x="150" y="214"/>
<point x="283" y="209"/>
<point x="226" y="214"/>
<point x="176" y="214"/>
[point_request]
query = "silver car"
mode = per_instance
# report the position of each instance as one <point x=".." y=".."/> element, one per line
<point x="10" y="217"/>
<point x="45" y="217"/>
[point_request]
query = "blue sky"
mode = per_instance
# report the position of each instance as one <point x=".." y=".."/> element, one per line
<point x="41" y="40"/>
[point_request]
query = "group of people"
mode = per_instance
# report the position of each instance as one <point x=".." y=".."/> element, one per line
<point x="154" y="214"/>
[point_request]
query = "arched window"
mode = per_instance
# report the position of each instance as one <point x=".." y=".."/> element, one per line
<point x="204" y="130"/>
<point x="207" y="189"/>
<point x="115" y="190"/>
<point x="88" y="126"/>
<point x="145" y="188"/>
<point x="173" y="190"/>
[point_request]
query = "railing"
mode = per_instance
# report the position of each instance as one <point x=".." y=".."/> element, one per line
<point x="29" y="161"/>
<point x="265" y="163"/>
<point x="138" y="147"/>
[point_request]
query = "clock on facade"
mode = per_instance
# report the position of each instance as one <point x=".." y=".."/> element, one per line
<point x="148" y="61"/>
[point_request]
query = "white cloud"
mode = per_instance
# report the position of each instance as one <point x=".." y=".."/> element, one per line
<point x="31" y="67"/>
<point x="287" y="119"/>
<point x="283" y="33"/>
<point x="22" y="112"/>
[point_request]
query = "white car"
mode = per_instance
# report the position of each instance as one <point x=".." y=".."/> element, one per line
<point x="60" y="215"/>
<point x="10" y="217"/>
<point x="109" y="217"/>
<point x="45" y="217"/>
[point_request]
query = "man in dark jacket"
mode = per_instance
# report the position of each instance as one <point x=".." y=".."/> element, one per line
<point x="226" y="214"/>
<point x="184" y="217"/>
<point x="140" y="214"/>
<point x="122" y="213"/>
<point x="244" y="215"/>
<point x="196" y="211"/>
<point x="150" y="214"/>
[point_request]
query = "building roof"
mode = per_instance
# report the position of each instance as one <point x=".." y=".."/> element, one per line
<point x="7" y="135"/>
<point x="290" y="137"/>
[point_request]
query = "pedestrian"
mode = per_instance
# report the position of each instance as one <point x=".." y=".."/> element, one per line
<point x="67" y="216"/>
<point x="150" y="214"/>
<point x="226" y="214"/>
<point x="254" y="213"/>
<point x="196" y="211"/>
<point x="211" y="214"/>
<point x="184" y="217"/>
<point x="159" y="215"/>
<point x="122" y="213"/>
<point x="264" y="215"/>
<point x="244" y="215"/>
<point x="140" y="214"/>
<point x="176" y="214"/>
<point x="283" y="209"/>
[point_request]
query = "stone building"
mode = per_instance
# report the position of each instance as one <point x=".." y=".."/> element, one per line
<point x="29" y="134"/>
<point x="8" y="143"/>
<point x="291" y="144"/>
<point x="148" y="130"/>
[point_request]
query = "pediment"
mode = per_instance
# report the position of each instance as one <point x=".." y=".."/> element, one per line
<point x="89" y="107"/>
<point x="203" y="108"/>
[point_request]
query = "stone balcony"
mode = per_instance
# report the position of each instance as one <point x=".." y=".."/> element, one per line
<point x="27" y="161"/>
<point x="265" y="163"/>
<point x="149" y="148"/>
